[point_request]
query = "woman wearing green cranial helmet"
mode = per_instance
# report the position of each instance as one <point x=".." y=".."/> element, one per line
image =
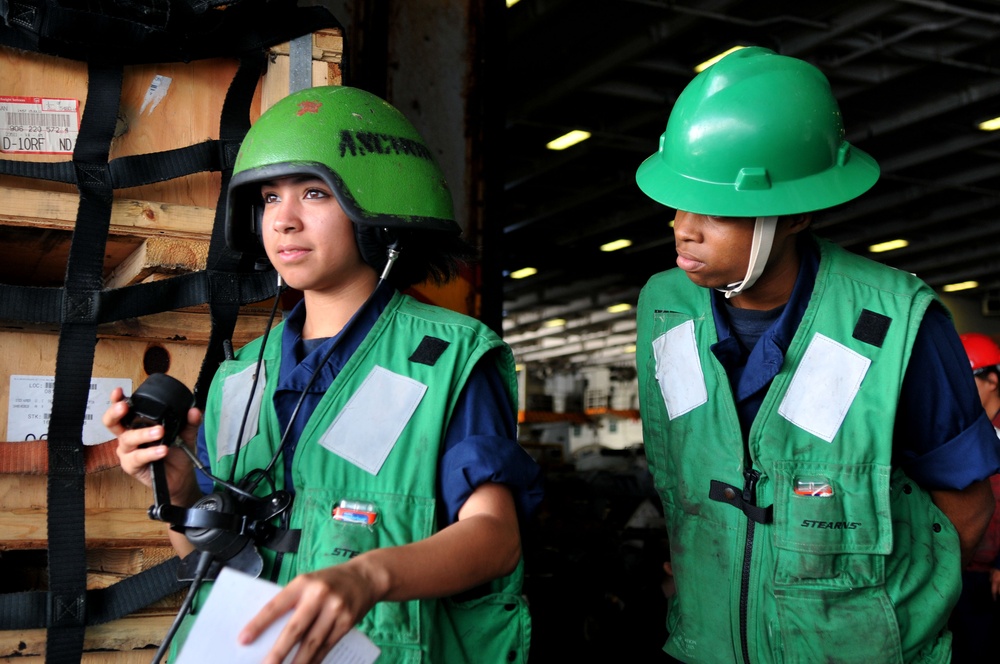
<point x="390" y="422"/>
<point x="357" y="143"/>
<point x="803" y="422"/>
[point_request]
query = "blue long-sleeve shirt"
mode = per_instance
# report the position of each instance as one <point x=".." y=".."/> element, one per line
<point x="480" y="444"/>
<point x="943" y="439"/>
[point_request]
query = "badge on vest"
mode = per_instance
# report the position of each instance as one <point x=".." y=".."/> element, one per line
<point x="824" y="387"/>
<point x="678" y="370"/>
<point x="366" y="430"/>
<point x="355" y="511"/>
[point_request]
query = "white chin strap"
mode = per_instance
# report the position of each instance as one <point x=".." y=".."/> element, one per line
<point x="760" y="250"/>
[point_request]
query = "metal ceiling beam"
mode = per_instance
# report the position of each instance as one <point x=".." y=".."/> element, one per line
<point x="951" y="8"/>
<point x="849" y="21"/>
<point x="565" y="204"/>
<point x="908" y="227"/>
<point x="974" y="272"/>
<point x="937" y="106"/>
<point x="912" y="191"/>
<point x="938" y="149"/>
<point x="628" y="48"/>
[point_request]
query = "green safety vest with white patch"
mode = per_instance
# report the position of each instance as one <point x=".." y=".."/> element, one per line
<point x="805" y="544"/>
<point x="374" y="441"/>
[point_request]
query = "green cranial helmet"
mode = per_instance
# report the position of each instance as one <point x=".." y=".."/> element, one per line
<point x="757" y="134"/>
<point x="380" y="169"/>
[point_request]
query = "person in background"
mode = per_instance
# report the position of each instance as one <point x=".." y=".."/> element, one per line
<point x="820" y="453"/>
<point x="391" y="422"/>
<point x="975" y="622"/>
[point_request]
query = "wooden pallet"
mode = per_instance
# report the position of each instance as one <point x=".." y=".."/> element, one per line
<point x="156" y="231"/>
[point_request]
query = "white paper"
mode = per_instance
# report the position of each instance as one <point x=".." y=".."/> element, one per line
<point x="235" y="599"/>
<point x="30" y="407"/>
<point x="155" y="93"/>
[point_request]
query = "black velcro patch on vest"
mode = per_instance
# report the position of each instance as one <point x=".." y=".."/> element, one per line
<point x="872" y="328"/>
<point x="429" y="351"/>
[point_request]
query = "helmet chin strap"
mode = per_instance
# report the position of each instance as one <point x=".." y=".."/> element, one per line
<point x="760" y="250"/>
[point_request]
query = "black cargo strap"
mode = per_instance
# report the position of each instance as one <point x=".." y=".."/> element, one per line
<point x="224" y="303"/>
<point x="67" y="602"/>
<point x="136" y="170"/>
<point x="29" y="610"/>
<point x="36" y="304"/>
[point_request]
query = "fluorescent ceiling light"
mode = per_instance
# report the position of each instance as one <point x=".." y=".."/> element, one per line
<point x="618" y="308"/>
<point x="554" y="322"/>
<point x="711" y="61"/>
<point x="888" y="246"/>
<point x="511" y="3"/>
<point x="566" y="140"/>
<point x="990" y="125"/>
<point x="615" y="245"/>
<point x="963" y="285"/>
<point x="523" y="272"/>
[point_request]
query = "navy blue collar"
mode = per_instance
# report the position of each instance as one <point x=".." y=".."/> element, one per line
<point x="297" y="365"/>
<point x="752" y="370"/>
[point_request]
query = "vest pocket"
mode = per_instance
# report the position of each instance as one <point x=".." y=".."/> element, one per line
<point x="832" y="536"/>
<point x="849" y="627"/>
<point x="494" y="628"/>
<point x="327" y="541"/>
<point x="837" y="534"/>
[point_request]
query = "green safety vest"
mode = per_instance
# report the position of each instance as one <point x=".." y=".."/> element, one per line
<point x="375" y="439"/>
<point x="845" y="559"/>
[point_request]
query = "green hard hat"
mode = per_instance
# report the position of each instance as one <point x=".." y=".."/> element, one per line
<point x="380" y="169"/>
<point x="756" y="134"/>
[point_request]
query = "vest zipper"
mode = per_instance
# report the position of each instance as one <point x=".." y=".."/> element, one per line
<point x="749" y="496"/>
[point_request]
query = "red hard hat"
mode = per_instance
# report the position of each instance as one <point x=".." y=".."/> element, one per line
<point x="981" y="349"/>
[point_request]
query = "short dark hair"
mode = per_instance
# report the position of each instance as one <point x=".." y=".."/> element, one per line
<point x="423" y="255"/>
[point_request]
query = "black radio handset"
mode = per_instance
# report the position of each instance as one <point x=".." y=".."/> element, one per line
<point x="163" y="400"/>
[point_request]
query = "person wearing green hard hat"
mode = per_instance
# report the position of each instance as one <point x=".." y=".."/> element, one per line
<point x="372" y="436"/>
<point x="821" y="457"/>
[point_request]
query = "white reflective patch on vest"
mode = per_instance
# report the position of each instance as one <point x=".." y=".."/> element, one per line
<point x="678" y="370"/>
<point x="367" y="429"/>
<point x="824" y="387"/>
<point x="234" y="394"/>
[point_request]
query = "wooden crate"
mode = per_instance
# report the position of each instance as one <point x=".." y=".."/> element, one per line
<point x="39" y="219"/>
<point x="188" y="112"/>
<point x="156" y="231"/>
<point x="121" y="539"/>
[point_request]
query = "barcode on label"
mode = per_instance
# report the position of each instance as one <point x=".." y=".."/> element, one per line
<point x="43" y="119"/>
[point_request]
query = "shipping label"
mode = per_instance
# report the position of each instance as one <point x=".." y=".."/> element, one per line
<point x="30" y="407"/>
<point x="38" y="125"/>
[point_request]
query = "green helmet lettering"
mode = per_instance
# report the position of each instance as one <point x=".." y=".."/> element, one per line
<point x="380" y="169"/>
<point x="757" y="134"/>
